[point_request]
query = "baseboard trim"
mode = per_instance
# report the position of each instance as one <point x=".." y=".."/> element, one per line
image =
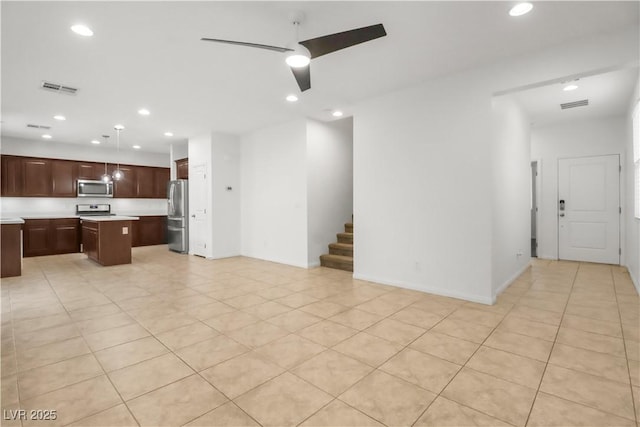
<point x="510" y="280"/>
<point x="223" y="256"/>
<point x="634" y="280"/>
<point x="428" y="289"/>
<point x="276" y="260"/>
<point x="313" y="264"/>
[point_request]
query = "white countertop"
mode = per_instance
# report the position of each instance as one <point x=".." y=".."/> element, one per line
<point x="58" y="215"/>
<point x="97" y="218"/>
<point x="11" y="221"/>
<point x="52" y="215"/>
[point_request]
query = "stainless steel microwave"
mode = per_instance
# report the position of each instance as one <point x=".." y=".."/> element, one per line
<point x="90" y="188"/>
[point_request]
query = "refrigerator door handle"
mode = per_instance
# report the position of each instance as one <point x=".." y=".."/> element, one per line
<point x="171" y="208"/>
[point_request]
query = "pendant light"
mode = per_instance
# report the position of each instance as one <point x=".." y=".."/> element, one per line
<point x="118" y="174"/>
<point x="105" y="177"/>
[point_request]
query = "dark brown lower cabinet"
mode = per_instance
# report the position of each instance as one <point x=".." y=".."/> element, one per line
<point x="51" y="236"/>
<point x="90" y="239"/>
<point x="37" y="237"/>
<point x="10" y="255"/>
<point x="65" y="235"/>
<point x="150" y="230"/>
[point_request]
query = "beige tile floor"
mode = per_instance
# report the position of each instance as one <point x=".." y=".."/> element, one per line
<point x="178" y="340"/>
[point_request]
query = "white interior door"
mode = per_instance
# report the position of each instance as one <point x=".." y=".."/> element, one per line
<point x="589" y="222"/>
<point x="198" y="201"/>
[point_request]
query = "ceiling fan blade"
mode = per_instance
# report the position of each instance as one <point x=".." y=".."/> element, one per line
<point x="303" y="77"/>
<point x="332" y="42"/>
<point x="259" y="46"/>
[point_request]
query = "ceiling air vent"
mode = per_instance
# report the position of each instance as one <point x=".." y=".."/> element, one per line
<point x="574" y="104"/>
<point x="32" y="126"/>
<point x="55" y="87"/>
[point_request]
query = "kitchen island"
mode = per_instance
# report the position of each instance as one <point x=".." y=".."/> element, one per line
<point x="107" y="239"/>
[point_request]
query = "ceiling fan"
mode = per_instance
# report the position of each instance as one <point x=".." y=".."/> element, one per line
<point x="300" y="53"/>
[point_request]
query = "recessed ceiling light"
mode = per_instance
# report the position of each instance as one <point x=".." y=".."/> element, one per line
<point x="83" y="30"/>
<point x="136" y="147"/>
<point x="144" y="112"/>
<point x="337" y="113"/>
<point x="47" y="136"/>
<point x="168" y="134"/>
<point x="118" y="127"/>
<point x="95" y="141"/>
<point x="570" y="87"/>
<point x="59" y="117"/>
<point x="291" y="98"/>
<point x="520" y="9"/>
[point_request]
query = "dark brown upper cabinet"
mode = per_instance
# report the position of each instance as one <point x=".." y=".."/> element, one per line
<point x="182" y="168"/>
<point x="37" y="177"/>
<point x="127" y="187"/>
<point x="87" y="170"/>
<point x="144" y="181"/>
<point x="11" y="176"/>
<point x="63" y="178"/>
<point x="161" y="178"/>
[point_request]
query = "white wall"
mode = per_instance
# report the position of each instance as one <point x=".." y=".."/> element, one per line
<point x="329" y="183"/>
<point x="632" y="247"/>
<point x="422" y="168"/>
<point x="88" y="152"/>
<point x="511" y="239"/>
<point x="27" y="206"/>
<point x="273" y="204"/>
<point x="225" y="203"/>
<point x="422" y="179"/>
<point x="574" y="139"/>
<point x="200" y="153"/>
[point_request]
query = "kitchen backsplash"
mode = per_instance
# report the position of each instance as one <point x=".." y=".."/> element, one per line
<point x="58" y="205"/>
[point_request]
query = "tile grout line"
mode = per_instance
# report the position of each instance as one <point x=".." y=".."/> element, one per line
<point x="535" y="398"/>
<point x="90" y="352"/>
<point x="388" y="316"/>
<point x="626" y="355"/>
<point x="465" y="365"/>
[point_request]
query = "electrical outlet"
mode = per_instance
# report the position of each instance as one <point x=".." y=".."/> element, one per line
<point x="125" y="230"/>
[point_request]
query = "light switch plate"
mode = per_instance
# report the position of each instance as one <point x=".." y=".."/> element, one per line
<point x="125" y="230"/>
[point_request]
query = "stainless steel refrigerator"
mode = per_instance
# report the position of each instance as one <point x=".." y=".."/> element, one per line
<point x="178" y="215"/>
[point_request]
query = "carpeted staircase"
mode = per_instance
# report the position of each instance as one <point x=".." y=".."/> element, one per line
<point x="340" y="254"/>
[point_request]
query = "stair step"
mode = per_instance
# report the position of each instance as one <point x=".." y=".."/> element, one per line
<point x="344" y="249"/>
<point x="337" y="261"/>
<point x="345" y="238"/>
<point x="348" y="227"/>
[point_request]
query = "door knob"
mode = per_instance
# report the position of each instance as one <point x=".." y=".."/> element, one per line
<point x="562" y="214"/>
<point x="193" y="215"/>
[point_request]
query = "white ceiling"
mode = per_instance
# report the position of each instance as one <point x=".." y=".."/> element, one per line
<point x="609" y="94"/>
<point x="149" y="54"/>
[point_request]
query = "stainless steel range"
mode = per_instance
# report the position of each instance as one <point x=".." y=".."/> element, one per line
<point x="101" y="209"/>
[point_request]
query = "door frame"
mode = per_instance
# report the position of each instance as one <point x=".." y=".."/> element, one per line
<point x="620" y="193"/>
<point x="538" y="199"/>
<point x="193" y="248"/>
